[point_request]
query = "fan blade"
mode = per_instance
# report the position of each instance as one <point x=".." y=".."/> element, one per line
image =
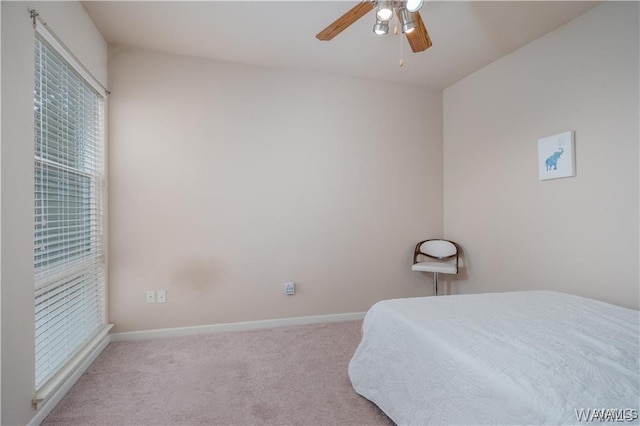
<point x="419" y="38"/>
<point x="340" y="24"/>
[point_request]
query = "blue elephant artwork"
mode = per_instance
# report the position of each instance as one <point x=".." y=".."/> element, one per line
<point x="552" y="160"/>
<point x="555" y="156"/>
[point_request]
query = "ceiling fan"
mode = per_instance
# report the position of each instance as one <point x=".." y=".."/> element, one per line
<point x="406" y="11"/>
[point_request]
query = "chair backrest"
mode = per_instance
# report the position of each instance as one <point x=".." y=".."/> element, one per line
<point x="436" y="249"/>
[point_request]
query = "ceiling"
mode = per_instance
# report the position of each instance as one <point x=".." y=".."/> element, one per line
<point x="466" y="35"/>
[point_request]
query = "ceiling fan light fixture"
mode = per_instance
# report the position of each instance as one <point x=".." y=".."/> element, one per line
<point x="414" y="5"/>
<point x="385" y="10"/>
<point x="381" y="27"/>
<point x="408" y="24"/>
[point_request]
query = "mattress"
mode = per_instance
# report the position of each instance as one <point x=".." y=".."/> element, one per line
<point x="533" y="357"/>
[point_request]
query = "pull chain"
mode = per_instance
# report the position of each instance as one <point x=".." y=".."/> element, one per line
<point x="401" y="64"/>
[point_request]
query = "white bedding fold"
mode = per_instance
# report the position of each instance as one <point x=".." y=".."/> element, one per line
<point x="497" y="358"/>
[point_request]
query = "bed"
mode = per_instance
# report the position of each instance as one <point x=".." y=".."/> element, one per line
<point x="531" y="357"/>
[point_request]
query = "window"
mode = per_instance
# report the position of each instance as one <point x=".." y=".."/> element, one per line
<point x="68" y="256"/>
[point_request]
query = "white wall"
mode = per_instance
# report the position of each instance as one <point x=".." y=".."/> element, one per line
<point x="73" y="26"/>
<point x="229" y="180"/>
<point x="580" y="234"/>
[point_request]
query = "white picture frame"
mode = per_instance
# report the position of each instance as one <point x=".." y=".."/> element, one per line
<point x="556" y="156"/>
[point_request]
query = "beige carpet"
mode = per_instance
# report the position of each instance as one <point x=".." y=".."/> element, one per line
<point x="280" y="376"/>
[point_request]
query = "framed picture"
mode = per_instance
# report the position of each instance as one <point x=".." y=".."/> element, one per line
<point x="556" y="156"/>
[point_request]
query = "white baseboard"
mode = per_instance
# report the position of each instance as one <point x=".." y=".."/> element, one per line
<point x="233" y="326"/>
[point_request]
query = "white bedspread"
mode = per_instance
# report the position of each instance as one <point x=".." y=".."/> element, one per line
<point x="498" y="358"/>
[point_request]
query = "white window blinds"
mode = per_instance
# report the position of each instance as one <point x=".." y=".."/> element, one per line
<point x="68" y="257"/>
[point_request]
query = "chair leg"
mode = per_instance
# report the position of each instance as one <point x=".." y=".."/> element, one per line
<point x="435" y="283"/>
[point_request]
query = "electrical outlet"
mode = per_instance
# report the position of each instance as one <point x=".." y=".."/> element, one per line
<point x="162" y="296"/>
<point x="289" y="289"/>
<point x="151" y="296"/>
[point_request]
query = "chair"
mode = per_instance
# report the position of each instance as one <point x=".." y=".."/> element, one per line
<point x="440" y="256"/>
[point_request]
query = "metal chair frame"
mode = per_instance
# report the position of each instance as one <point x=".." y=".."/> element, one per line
<point x="418" y="252"/>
